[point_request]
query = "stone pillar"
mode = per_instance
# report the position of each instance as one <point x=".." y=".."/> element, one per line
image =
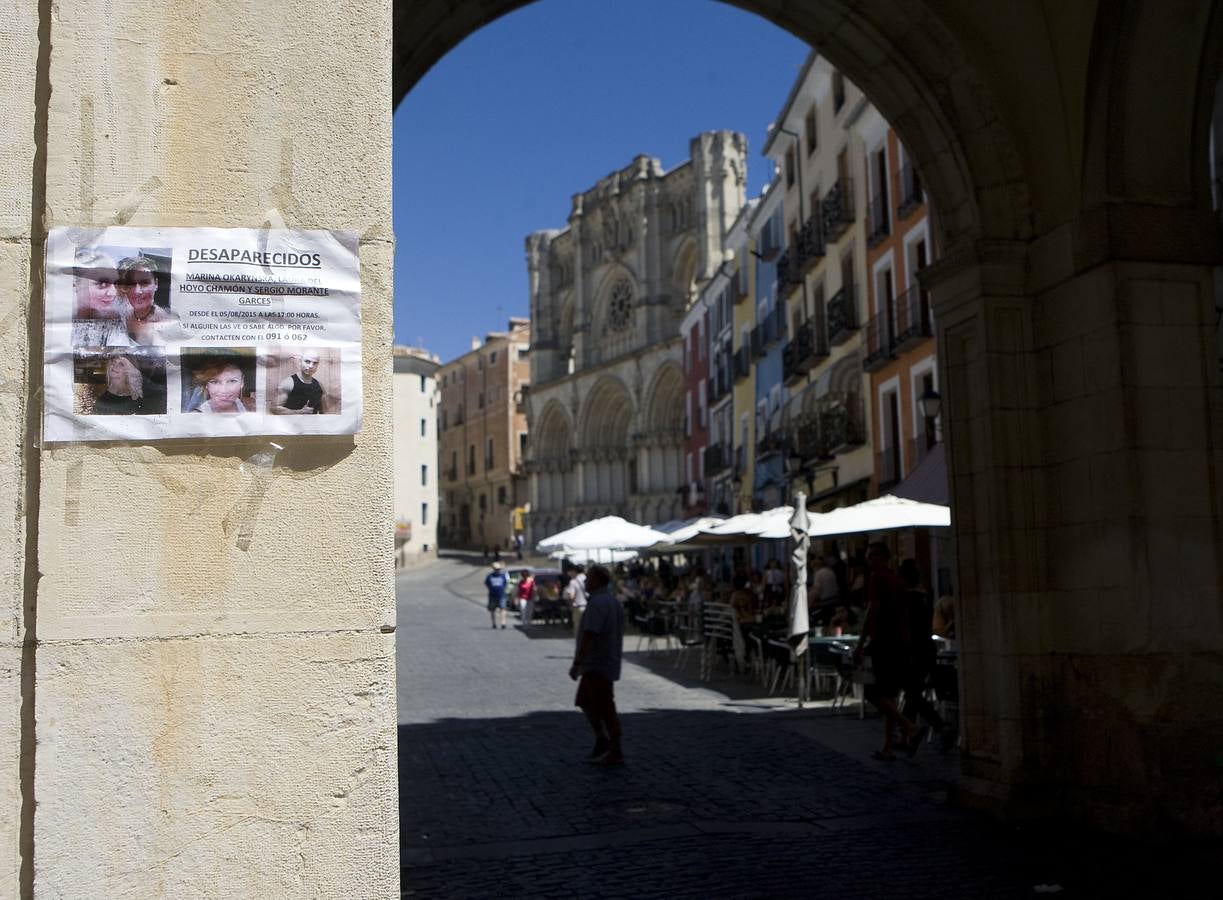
<point x="215" y="709"/>
<point x="22" y="161"/>
<point x="1085" y="427"/>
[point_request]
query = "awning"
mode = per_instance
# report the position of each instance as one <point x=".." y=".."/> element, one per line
<point x="886" y="513"/>
<point x="928" y="482"/>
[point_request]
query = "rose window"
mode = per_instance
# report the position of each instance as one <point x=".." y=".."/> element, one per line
<point x="620" y="306"/>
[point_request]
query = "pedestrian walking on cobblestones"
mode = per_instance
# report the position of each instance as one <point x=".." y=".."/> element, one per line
<point x="597" y="663"/>
<point x="885" y="637"/>
<point x="575" y="594"/>
<point x="496" y="582"/>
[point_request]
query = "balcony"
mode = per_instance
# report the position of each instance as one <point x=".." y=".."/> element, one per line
<point x="810" y="243"/>
<point x="877" y="224"/>
<point x="887" y="467"/>
<point x="743" y="363"/>
<point x="717" y="459"/>
<point x="911" y="194"/>
<point x="842" y="315"/>
<point x="805" y="437"/>
<point x="757" y="342"/>
<point x="880" y="343"/>
<point x="770" y="442"/>
<point x="789" y="273"/>
<point x="837" y="209"/>
<point x="842" y="421"/>
<point x="805" y="349"/>
<point x="914" y="320"/>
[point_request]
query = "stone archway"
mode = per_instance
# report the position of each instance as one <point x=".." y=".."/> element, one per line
<point x="1075" y="286"/>
<point x="605" y="419"/>
<point x="552" y="442"/>
<point x="661" y="435"/>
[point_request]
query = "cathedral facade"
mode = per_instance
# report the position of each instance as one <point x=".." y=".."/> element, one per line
<point x="606" y="405"/>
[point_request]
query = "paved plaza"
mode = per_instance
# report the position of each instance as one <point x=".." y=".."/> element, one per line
<point x="727" y="792"/>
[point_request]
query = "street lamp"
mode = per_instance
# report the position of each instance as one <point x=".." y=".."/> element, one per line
<point x="931" y="404"/>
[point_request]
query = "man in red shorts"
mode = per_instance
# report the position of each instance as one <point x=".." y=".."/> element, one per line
<point x="597" y="663"/>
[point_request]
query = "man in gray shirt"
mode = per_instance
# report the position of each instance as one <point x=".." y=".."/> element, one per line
<point x="597" y="663"/>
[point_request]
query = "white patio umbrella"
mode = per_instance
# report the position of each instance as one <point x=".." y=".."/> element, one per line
<point x="764" y="526"/>
<point x="799" y="625"/>
<point x="607" y="533"/>
<point x="884" y="513"/>
<point x="593" y="556"/>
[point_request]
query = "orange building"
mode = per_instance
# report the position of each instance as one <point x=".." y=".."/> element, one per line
<point x="899" y="348"/>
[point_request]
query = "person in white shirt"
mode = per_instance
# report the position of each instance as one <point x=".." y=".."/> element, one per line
<point x="575" y="597"/>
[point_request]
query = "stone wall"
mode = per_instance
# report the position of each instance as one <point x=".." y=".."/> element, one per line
<point x="214" y="708"/>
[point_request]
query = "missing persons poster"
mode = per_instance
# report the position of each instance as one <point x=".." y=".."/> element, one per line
<point x="156" y="333"/>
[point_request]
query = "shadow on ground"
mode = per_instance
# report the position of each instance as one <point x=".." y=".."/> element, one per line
<point x="722" y="804"/>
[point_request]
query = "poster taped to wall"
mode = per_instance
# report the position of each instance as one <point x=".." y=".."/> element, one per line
<point x="156" y="333"/>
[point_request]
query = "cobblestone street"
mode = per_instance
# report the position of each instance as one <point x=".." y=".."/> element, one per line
<point x="727" y="792"/>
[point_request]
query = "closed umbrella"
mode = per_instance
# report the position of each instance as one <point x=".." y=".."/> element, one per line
<point x="799" y="627"/>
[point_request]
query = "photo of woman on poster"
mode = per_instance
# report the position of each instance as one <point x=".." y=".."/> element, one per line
<point x="139" y="282"/>
<point x="223" y="385"/>
<point x="99" y="315"/>
<point x="120" y="383"/>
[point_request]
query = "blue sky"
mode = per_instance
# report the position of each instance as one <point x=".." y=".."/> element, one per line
<point x="491" y="144"/>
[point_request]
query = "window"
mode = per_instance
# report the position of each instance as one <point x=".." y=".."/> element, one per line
<point x="492" y="360"/>
<point x="812" y="137"/>
<point x="838" y="91"/>
<point x="445" y="423"/>
<point x="700" y="403"/>
<point x="424" y="514"/>
<point x="424" y="475"/>
<point x="790" y="167"/>
<point x="480" y="400"/>
<point x="523" y="353"/>
<point x="522" y="443"/>
<point x="424" y="427"/>
<point x="488" y="454"/>
<point x="501" y="496"/>
<point x="454" y="467"/>
<point x="422" y="384"/>
<point x="445" y="379"/>
<point x="483" y="503"/>
<point x="471" y="459"/>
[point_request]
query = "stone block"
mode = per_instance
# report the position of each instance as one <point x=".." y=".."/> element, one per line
<point x="246" y="766"/>
<point x="1167" y="356"/>
<point x="1101" y="360"/>
<point x="1068" y="370"/>
<point x="227" y="130"/>
<point x="14" y="439"/>
<point x="17" y="75"/>
<point x="10" y="768"/>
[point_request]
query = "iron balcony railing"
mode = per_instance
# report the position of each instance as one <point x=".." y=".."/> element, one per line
<point x="789" y="273"/>
<point x="880" y="341"/>
<point x="757" y="342"/>
<point x="810" y="242"/>
<point x="837" y="209"/>
<point x="842" y="419"/>
<point x="743" y="362"/>
<point x="842" y="315"/>
<point x="911" y="193"/>
<point x="914" y="320"/>
<point x="805" y="349"/>
<point x="877" y="225"/>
